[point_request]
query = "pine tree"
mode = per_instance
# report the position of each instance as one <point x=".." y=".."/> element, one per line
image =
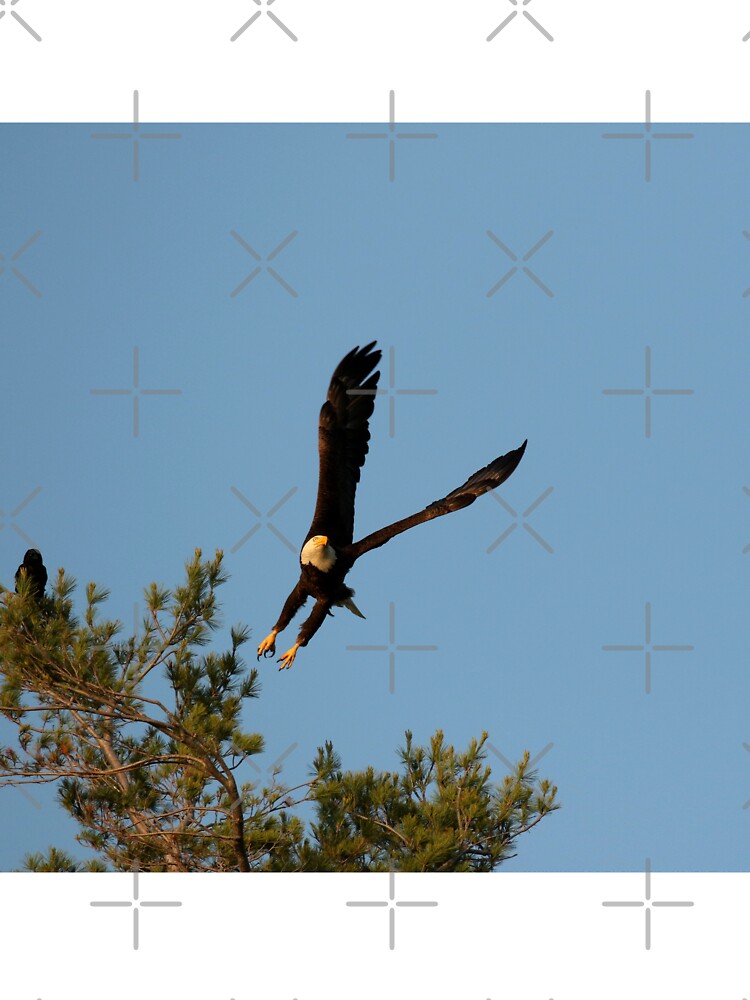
<point x="152" y="781"/>
<point x="60" y="861"/>
<point x="439" y="813"/>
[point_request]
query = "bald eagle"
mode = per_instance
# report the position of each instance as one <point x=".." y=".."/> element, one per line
<point x="33" y="567"/>
<point x="329" y="551"/>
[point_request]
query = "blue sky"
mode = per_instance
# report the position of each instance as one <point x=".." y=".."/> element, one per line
<point x="631" y="266"/>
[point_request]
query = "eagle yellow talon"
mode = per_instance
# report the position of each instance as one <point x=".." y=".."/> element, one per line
<point x="288" y="658"/>
<point x="268" y="646"/>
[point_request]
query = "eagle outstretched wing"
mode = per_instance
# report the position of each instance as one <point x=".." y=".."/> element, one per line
<point x="343" y="436"/>
<point x="485" y="479"/>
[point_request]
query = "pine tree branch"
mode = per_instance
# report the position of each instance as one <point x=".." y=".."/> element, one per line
<point x="385" y="826"/>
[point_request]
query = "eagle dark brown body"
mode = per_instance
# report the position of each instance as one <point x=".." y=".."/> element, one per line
<point x="329" y="551"/>
<point x="34" y="569"/>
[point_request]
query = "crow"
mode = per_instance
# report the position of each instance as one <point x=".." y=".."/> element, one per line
<point x="33" y="567"/>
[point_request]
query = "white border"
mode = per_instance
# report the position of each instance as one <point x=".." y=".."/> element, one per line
<point x="508" y="935"/>
<point x="350" y="53"/>
<point x="259" y="937"/>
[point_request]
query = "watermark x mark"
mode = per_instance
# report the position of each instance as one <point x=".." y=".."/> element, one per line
<point x="745" y="551"/>
<point x="254" y="17"/>
<point x="8" y="777"/>
<point x="135" y="903"/>
<point x="523" y="515"/>
<point x="647" y="903"/>
<point x="109" y="646"/>
<point x="14" y="514"/>
<point x="27" y="795"/>
<point x="272" y="770"/>
<point x="514" y="14"/>
<point x="14" y="14"/>
<point x="136" y="135"/>
<point x="746" y="805"/>
<point x="136" y="392"/>
<point x="647" y="648"/>
<point x="510" y="765"/>
<point x="267" y="266"/>
<point x="647" y="135"/>
<point x="391" y="135"/>
<point x="391" y="392"/>
<point x="276" y="766"/>
<point x="392" y="648"/>
<point x="526" y="270"/>
<point x="15" y="271"/>
<point x="256" y="527"/>
<point x="391" y="903"/>
<point x="647" y="392"/>
<point x="745" y="294"/>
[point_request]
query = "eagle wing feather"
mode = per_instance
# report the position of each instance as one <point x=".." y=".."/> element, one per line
<point x="485" y="479"/>
<point x="343" y="436"/>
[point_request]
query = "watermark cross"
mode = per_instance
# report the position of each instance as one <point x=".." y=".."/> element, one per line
<point x="17" y="16"/>
<point x="256" y="527"/>
<point x="526" y="270"/>
<point x="257" y="257"/>
<point x="14" y="270"/>
<point x="391" y="903"/>
<point x="254" y="17"/>
<point x="647" y="648"/>
<point x="391" y="392"/>
<point x="14" y="513"/>
<point x="647" y="391"/>
<point x="392" y="648"/>
<point x="391" y="135"/>
<point x="513" y="15"/>
<point x="648" y="135"/>
<point x="647" y="902"/>
<point x="136" y="392"/>
<point x="534" y="534"/>
<point x="135" y="903"/>
<point x="136" y="135"/>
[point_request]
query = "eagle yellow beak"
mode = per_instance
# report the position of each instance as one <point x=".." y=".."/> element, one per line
<point x="323" y="540"/>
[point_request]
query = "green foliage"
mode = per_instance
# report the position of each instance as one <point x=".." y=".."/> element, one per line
<point x="152" y="782"/>
<point x="439" y="813"/>
<point x="59" y="861"/>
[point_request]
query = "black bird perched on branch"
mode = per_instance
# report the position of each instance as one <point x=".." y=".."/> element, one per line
<point x="33" y="567"/>
<point x="329" y="551"/>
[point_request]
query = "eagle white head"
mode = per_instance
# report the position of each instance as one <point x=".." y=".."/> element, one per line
<point x="318" y="552"/>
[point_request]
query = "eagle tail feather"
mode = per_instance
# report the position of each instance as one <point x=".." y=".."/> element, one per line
<point x="349" y="603"/>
